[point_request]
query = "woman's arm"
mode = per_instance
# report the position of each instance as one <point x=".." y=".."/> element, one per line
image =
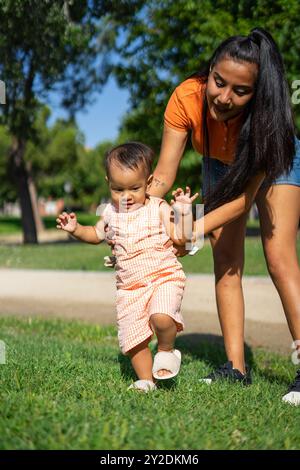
<point x="172" y="148"/>
<point x="231" y="210"/>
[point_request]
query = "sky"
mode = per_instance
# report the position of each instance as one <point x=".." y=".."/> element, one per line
<point x="101" y="120"/>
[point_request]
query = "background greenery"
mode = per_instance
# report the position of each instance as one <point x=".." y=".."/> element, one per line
<point x="79" y="256"/>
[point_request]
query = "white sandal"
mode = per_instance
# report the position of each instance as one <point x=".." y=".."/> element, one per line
<point x="167" y="360"/>
<point x="143" y="386"/>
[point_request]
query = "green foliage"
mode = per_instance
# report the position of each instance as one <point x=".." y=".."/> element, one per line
<point x="60" y="46"/>
<point x="47" y="46"/>
<point x="56" y="157"/>
<point x="90" y="186"/>
<point x="60" y="157"/>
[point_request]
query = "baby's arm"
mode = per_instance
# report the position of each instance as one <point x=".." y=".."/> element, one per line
<point x="89" y="234"/>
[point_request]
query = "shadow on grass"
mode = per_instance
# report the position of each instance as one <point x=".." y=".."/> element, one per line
<point x="126" y="368"/>
<point x="275" y="377"/>
<point x="208" y="348"/>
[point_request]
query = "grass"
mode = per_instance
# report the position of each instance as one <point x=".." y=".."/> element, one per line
<point x="64" y="387"/>
<point x="81" y="256"/>
<point x="12" y="225"/>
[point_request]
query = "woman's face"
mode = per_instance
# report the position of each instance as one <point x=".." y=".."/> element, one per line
<point x="230" y="87"/>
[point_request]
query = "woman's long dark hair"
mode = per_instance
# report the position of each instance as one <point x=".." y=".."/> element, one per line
<point x="267" y="137"/>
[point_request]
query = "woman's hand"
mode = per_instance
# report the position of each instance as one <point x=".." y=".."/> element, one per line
<point x="178" y="250"/>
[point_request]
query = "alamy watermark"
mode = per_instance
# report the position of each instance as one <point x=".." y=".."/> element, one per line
<point x="2" y="92"/>
<point x="296" y="354"/>
<point x="191" y="230"/>
<point x="2" y="352"/>
<point x="296" y="94"/>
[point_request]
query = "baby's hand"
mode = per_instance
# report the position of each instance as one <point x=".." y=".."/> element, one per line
<point x="67" y="222"/>
<point x="182" y="202"/>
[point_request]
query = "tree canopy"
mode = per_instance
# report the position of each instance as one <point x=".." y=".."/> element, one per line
<point x="51" y="45"/>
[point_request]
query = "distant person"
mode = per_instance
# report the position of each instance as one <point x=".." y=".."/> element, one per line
<point x="239" y="115"/>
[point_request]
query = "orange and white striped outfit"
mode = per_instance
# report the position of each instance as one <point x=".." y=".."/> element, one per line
<point x="149" y="277"/>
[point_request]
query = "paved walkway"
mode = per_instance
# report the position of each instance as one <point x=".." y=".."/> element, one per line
<point x="89" y="296"/>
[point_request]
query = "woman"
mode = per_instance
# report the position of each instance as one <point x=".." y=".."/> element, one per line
<point x="240" y="118"/>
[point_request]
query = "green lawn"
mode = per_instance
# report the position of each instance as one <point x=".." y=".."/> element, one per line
<point x="64" y="387"/>
<point x="12" y="225"/>
<point x="80" y="256"/>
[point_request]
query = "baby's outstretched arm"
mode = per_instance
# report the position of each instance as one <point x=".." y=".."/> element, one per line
<point x="89" y="234"/>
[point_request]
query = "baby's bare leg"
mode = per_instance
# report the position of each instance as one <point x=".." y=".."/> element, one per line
<point x="141" y="360"/>
<point x="166" y="330"/>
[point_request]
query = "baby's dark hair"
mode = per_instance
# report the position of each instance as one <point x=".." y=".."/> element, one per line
<point x="130" y="155"/>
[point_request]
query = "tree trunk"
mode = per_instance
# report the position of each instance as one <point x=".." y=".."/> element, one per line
<point x="21" y="179"/>
<point x="34" y="202"/>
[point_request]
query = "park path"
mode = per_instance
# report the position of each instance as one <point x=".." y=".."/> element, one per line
<point x="89" y="296"/>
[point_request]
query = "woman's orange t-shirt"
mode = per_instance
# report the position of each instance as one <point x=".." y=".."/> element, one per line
<point x="184" y="113"/>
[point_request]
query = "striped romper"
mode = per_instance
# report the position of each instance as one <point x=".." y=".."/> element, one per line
<point x="149" y="277"/>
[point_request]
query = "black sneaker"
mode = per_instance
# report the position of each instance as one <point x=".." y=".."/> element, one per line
<point x="293" y="394"/>
<point x="227" y="372"/>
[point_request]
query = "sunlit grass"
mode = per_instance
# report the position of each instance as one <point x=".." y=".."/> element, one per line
<point x="64" y="386"/>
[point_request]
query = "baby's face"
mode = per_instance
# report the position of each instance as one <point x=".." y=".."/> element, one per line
<point x="127" y="187"/>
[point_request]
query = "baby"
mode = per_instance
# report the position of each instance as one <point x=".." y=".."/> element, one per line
<point x="149" y="278"/>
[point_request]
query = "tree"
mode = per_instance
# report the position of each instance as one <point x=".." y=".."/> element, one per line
<point x="55" y="154"/>
<point x="90" y="186"/>
<point x="7" y="190"/>
<point x="60" y="157"/>
<point x="57" y="45"/>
